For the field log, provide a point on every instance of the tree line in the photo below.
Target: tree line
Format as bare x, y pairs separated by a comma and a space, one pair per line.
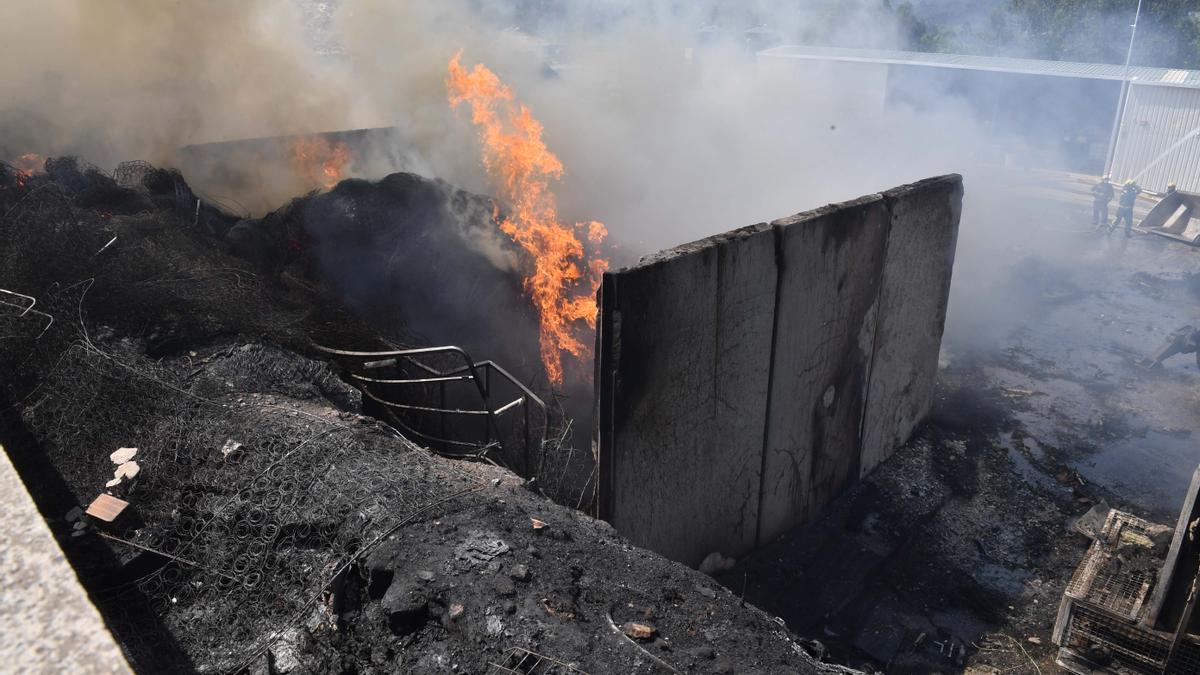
1062, 30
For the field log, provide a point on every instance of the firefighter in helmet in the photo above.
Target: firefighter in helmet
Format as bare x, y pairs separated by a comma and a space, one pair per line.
1102, 194
1125, 204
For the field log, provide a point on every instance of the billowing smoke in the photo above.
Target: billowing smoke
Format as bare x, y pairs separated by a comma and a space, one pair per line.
664, 139
638, 125
668, 127
139, 78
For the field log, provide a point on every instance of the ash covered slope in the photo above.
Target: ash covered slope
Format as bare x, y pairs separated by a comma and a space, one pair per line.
149, 261
421, 259
271, 527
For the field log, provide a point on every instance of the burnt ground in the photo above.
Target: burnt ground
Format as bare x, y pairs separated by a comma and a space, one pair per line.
953, 555
325, 543
271, 527
330, 544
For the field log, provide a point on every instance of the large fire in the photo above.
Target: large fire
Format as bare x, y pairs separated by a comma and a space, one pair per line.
320, 162
522, 168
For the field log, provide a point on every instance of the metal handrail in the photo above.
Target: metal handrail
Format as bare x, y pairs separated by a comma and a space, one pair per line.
476, 372
399, 424
420, 380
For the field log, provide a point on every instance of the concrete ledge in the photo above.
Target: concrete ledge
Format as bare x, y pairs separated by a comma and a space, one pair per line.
50, 625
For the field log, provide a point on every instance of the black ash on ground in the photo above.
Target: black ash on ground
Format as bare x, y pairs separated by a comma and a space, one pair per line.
272, 528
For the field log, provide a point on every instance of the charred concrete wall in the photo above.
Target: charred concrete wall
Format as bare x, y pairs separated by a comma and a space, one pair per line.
744, 380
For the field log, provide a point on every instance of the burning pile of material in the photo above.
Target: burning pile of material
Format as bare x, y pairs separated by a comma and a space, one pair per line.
421, 260
26, 165
320, 161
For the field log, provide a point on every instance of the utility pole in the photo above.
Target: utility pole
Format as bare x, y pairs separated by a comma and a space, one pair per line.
1120, 118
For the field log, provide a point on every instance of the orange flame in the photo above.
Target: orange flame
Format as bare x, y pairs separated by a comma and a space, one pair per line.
320, 162
26, 165
522, 168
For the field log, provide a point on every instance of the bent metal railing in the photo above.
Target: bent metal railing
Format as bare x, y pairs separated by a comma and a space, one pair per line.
421, 400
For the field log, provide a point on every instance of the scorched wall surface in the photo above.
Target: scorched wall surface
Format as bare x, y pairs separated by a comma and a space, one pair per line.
744, 380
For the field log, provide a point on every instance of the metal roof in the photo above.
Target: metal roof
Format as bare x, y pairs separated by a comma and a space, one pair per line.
1167, 77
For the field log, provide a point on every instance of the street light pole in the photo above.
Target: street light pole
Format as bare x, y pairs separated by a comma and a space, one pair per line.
1119, 120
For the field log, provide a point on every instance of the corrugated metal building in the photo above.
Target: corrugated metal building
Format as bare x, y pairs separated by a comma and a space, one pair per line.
1158, 137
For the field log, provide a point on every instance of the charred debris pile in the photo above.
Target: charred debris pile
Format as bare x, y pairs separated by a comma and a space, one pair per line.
160, 350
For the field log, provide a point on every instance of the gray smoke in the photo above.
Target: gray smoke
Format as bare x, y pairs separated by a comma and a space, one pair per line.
669, 128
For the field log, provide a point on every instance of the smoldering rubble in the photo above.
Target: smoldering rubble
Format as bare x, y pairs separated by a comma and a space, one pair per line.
271, 527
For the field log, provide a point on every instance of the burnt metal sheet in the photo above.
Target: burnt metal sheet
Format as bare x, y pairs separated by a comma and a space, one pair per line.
1179, 568
1176, 216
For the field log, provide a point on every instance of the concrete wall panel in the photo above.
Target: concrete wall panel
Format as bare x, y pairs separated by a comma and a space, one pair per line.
831, 270
693, 335
912, 313
744, 380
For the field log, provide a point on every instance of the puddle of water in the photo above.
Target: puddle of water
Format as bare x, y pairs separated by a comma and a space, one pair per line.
1021, 463
1153, 470
1007, 581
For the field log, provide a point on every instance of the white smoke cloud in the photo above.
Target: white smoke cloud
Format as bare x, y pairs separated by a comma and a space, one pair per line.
668, 134
138, 78
668, 128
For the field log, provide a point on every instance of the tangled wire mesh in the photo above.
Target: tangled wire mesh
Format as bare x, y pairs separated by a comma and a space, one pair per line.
250, 503
257, 489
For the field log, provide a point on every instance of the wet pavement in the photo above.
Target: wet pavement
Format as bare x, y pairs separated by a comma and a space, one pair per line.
1084, 308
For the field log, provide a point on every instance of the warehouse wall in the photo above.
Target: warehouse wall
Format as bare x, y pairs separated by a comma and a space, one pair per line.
744, 380
1160, 138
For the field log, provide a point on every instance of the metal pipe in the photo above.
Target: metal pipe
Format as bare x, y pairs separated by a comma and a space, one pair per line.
442, 404
525, 433
1119, 120
25, 309
421, 380
510, 405
422, 408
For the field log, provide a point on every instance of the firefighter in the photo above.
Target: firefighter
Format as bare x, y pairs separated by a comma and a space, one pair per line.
1102, 194
1125, 204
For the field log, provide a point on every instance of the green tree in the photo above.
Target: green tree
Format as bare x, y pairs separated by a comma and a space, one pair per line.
1098, 30
921, 35
1065, 30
